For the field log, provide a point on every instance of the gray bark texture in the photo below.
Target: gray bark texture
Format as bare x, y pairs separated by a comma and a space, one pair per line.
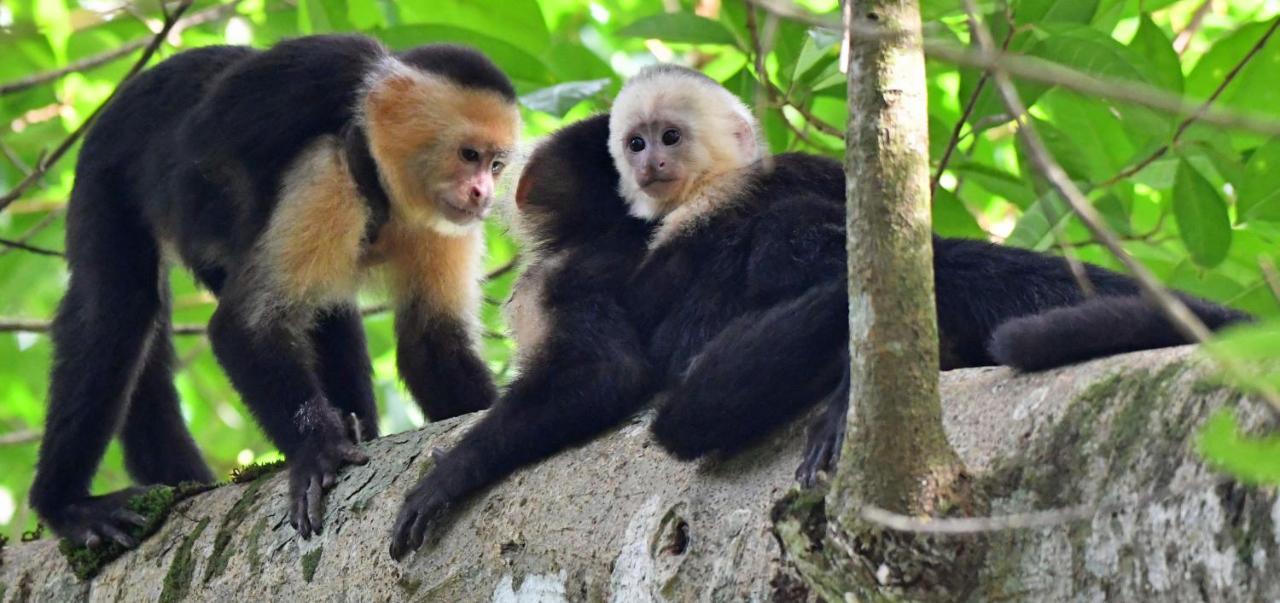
619, 520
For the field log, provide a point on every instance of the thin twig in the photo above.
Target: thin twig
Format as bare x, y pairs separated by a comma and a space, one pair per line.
16, 244
48, 161
1172, 308
1270, 275
1022, 521
1186, 123
1183, 39
209, 15
37, 228
969, 107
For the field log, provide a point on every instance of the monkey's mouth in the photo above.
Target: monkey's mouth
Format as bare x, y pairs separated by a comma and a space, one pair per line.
658, 185
462, 214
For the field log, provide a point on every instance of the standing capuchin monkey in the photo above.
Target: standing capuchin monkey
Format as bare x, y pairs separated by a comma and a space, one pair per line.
280, 178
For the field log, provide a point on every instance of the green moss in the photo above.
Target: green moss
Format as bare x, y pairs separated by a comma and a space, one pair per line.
235, 516
255, 536
310, 562
410, 587
251, 473
153, 504
3, 589
177, 582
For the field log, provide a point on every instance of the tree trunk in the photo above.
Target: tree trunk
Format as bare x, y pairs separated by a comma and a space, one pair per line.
618, 519
896, 456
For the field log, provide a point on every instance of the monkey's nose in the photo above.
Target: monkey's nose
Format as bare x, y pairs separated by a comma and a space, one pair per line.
476, 194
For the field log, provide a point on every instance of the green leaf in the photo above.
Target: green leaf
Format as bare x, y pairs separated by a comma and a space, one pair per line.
560, 98
1259, 192
679, 27
1201, 216
1254, 460
952, 219
516, 22
1151, 43
1036, 12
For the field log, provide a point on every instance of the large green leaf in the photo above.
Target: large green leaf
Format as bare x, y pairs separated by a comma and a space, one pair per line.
1151, 43
1201, 216
516, 22
1254, 460
1038, 12
679, 27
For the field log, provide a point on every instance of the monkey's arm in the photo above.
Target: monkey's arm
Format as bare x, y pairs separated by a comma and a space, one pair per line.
267, 362
438, 362
588, 375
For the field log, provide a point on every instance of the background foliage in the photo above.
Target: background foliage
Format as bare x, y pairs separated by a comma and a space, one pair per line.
1198, 204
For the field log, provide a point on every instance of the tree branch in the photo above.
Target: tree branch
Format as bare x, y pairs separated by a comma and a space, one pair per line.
16, 438
49, 160
1183, 39
19, 245
209, 15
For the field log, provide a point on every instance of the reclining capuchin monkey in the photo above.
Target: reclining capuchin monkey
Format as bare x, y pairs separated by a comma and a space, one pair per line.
736, 306
282, 178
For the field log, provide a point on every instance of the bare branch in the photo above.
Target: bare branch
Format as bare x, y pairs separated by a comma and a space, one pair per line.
203, 17
37, 228
1183, 39
1172, 308
16, 438
48, 161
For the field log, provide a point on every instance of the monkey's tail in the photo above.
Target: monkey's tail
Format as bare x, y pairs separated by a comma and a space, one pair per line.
763, 370
1098, 327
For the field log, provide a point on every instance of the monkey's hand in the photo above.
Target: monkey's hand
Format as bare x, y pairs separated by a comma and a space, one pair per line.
314, 469
825, 437
425, 506
95, 520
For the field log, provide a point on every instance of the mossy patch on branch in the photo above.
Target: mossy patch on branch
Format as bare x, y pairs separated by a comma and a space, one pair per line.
310, 562
177, 582
235, 516
153, 504
251, 473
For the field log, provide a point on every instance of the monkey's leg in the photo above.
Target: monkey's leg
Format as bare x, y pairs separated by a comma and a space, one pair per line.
100, 334
437, 360
825, 435
158, 448
587, 378
761, 371
345, 371
269, 363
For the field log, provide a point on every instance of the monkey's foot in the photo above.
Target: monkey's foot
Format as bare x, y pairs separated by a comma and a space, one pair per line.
425, 506
314, 469
94, 521
822, 446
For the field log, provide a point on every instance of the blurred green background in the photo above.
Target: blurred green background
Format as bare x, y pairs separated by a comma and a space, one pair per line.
1204, 215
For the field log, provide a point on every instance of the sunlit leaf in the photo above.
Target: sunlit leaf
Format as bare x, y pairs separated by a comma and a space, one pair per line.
558, 99
1201, 216
679, 27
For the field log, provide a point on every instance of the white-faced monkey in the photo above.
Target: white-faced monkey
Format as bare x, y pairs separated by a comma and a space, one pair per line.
280, 178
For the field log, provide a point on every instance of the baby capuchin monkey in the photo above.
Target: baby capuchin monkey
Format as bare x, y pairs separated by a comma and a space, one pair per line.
284, 179
743, 293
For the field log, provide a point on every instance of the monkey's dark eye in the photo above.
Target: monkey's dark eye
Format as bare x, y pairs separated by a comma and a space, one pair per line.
636, 144
497, 167
469, 155
671, 137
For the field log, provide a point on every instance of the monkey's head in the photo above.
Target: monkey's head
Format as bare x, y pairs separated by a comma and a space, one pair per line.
673, 130
569, 186
441, 121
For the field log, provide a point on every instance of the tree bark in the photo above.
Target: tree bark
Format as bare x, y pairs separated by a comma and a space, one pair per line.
896, 455
618, 519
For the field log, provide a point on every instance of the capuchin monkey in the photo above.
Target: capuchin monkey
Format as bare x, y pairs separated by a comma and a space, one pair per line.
743, 293
284, 179
733, 309
583, 367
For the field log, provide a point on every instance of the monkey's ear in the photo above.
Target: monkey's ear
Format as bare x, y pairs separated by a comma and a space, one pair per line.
522, 189
745, 135
395, 96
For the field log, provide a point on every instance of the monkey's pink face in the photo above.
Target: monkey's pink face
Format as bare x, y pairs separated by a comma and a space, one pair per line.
657, 157
469, 186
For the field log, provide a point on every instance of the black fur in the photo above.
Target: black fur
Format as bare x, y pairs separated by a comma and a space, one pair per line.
590, 373
1102, 326
193, 152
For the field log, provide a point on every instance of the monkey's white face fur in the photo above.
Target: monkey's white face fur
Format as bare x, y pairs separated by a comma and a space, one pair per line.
673, 130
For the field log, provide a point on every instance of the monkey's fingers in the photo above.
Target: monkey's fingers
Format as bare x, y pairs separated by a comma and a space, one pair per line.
315, 505
91, 539
118, 536
354, 456
127, 516
816, 459
400, 534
